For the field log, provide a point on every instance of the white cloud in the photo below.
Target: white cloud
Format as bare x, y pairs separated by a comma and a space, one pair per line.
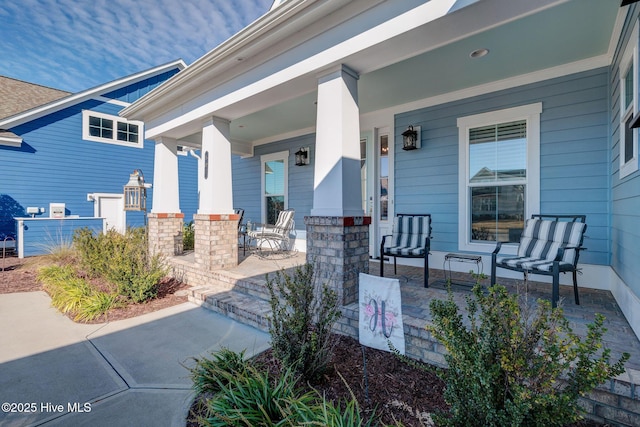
74, 45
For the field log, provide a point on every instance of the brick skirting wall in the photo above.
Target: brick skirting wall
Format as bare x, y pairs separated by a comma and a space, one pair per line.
338, 248
165, 233
216, 240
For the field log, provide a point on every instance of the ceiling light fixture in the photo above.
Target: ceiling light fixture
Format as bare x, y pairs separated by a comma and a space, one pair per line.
479, 53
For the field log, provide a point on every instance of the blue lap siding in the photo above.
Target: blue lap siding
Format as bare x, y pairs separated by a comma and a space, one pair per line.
55, 164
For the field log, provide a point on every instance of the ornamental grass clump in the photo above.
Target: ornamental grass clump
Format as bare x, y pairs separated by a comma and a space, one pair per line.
74, 295
236, 392
512, 363
302, 315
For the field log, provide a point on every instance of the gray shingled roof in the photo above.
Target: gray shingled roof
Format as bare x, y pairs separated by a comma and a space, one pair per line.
17, 96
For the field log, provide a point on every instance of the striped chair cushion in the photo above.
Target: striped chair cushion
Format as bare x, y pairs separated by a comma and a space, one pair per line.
284, 219
409, 235
540, 242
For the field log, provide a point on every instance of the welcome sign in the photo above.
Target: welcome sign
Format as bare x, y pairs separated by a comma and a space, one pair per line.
380, 308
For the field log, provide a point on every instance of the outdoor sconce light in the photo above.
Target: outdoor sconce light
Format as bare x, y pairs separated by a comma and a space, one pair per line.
410, 139
302, 156
135, 192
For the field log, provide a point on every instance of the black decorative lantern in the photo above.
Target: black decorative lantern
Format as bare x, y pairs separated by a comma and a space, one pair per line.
409, 139
302, 156
135, 192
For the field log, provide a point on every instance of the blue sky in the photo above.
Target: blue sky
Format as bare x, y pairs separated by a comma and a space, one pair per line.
74, 45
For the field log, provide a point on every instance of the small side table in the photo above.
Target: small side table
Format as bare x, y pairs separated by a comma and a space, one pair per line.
476, 259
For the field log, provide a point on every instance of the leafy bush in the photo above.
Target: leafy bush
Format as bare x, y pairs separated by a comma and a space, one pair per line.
301, 319
123, 260
188, 236
208, 373
253, 400
72, 294
241, 394
516, 365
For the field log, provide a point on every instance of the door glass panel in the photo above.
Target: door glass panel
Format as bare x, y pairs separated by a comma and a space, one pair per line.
384, 177
363, 174
274, 183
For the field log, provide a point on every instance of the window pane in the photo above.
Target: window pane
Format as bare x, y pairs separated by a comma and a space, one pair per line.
122, 136
274, 177
108, 124
628, 140
107, 133
498, 152
274, 204
384, 177
497, 213
122, 126
628, 87
133, 137
94, 131
94, 121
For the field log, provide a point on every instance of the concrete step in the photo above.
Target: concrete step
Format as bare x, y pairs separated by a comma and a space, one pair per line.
248, 309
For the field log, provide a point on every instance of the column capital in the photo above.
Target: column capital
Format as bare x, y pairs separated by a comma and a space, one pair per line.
335, 72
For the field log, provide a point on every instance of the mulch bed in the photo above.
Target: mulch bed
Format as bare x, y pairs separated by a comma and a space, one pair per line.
20, 275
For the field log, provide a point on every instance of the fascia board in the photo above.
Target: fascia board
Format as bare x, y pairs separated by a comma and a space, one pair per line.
43, 110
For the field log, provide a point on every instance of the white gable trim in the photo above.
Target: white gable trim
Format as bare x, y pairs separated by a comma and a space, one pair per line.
43, 110
11, 141
111, 101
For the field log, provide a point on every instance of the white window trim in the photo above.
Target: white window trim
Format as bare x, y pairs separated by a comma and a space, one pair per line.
87, 137
629, 58
530, 113
281, 155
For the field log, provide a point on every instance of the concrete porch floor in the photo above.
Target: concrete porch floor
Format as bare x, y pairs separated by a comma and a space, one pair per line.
255, 265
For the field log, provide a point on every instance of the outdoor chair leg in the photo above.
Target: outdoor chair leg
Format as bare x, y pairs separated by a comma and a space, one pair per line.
426, 270
575, 287
395, 266
555, 291
381, 264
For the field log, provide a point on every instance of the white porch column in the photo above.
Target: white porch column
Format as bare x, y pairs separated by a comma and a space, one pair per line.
165, 220
166, 196
214, 168
337, 188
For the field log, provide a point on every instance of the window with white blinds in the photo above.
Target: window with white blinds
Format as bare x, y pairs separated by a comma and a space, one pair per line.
499, 161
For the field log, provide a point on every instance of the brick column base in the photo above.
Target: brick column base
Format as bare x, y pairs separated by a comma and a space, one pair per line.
165, 233
216, 240
338, 248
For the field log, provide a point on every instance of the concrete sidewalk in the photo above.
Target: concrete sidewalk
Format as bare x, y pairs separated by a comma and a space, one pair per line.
55, 372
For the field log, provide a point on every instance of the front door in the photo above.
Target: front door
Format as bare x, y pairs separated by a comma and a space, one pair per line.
379, 187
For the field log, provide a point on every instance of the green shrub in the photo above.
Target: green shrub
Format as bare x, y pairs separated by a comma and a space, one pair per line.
238, 393
123, 260
72, 294
208, 373
512, 364
252, 399
188, 236
301, 321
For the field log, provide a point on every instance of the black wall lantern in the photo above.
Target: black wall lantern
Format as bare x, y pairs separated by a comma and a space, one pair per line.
410, 139
302, 156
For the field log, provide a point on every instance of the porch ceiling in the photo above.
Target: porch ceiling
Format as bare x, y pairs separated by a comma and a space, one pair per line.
577, 30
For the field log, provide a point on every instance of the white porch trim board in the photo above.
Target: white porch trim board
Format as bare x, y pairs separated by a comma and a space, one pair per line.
166, 196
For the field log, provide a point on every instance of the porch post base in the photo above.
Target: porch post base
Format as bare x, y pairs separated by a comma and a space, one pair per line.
216, 241
338, 249
165, 233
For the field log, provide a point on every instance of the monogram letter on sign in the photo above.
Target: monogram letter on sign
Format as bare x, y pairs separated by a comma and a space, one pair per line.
380, 313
